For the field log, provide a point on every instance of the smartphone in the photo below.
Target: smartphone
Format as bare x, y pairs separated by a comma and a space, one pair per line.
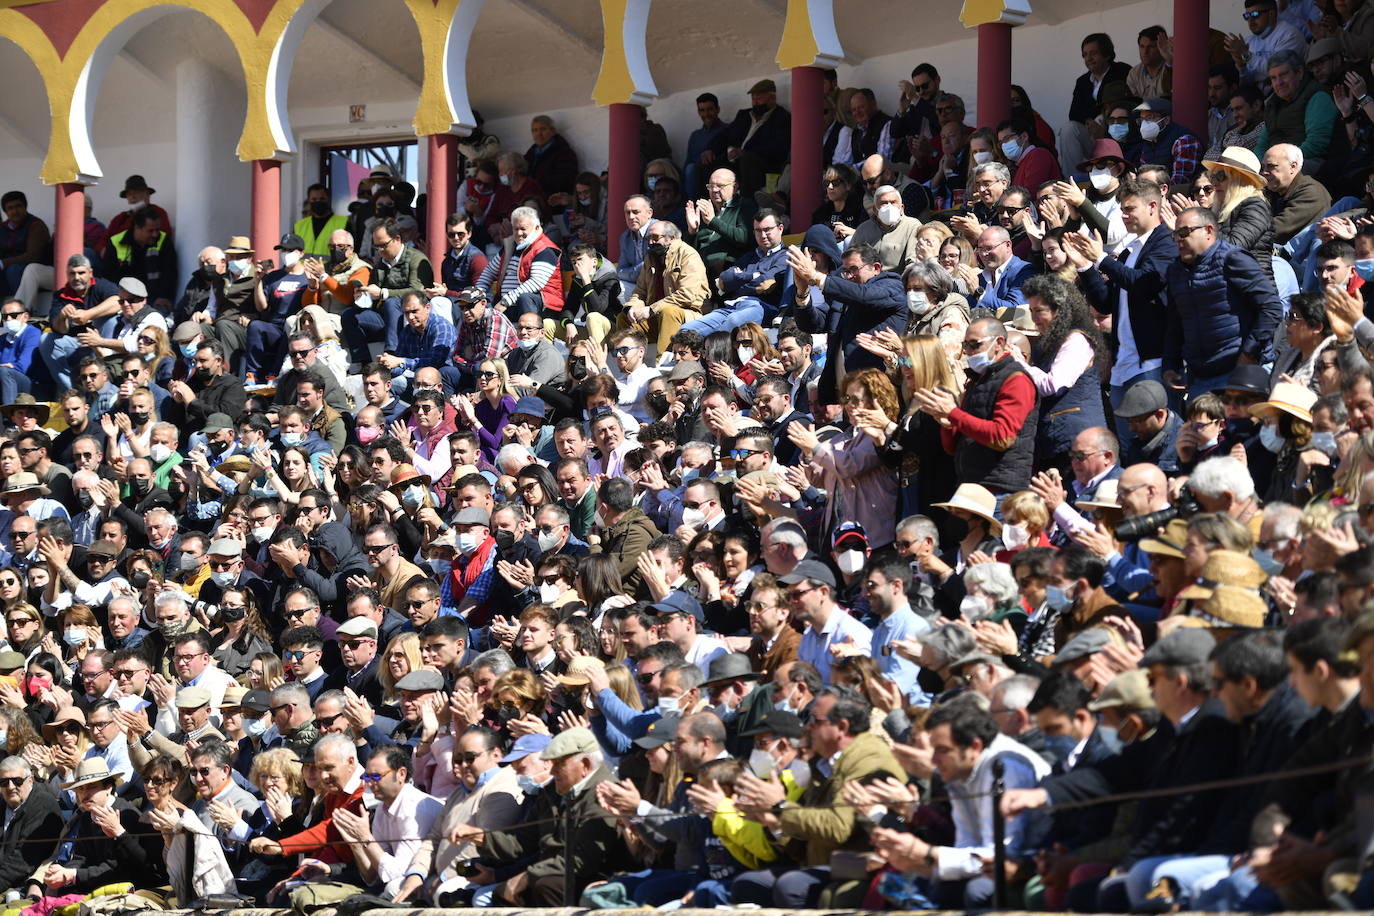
267, 264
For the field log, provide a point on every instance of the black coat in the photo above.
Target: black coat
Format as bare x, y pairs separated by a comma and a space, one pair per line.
772, 142
224, 394
135, 856
1146, 291
22, 848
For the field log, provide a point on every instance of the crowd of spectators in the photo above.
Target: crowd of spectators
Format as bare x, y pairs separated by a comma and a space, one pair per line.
739, 569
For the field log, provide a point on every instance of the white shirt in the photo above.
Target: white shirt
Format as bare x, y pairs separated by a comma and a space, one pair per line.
400, 827
706, 649
1128, 362
632, 389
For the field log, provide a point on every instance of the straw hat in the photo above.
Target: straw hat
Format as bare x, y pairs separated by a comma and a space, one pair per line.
406, 473
975, 499
1294, 400
579, 667
1239, 163
22, 483
1169, 544
29, 402
64, 716
1225, 567
1232, 605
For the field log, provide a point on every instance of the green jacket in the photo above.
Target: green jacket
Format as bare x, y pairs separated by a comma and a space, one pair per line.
412, 272
599, 850
824, 829
626, 540
721, 241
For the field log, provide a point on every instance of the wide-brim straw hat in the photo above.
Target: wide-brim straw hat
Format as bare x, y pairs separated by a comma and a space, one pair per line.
1240, 163
1225, 567
975, 500
1287, 397
93, 769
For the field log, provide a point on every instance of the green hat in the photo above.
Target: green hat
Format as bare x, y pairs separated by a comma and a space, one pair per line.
569, 742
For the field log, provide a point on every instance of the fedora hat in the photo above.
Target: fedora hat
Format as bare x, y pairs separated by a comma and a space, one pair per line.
1170, 543
29, 401
975, 499
136, 183
578, 668
93, 769
1104, 497
22, 482
239, 244
1105, 148
1287, 397
1233, 606
1239, 163
406, 473
63, 717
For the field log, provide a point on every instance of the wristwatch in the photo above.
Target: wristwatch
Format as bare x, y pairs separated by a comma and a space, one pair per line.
777, 809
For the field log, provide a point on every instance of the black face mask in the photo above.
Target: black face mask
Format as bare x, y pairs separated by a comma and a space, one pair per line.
658, 249
1240, 426
336, 256
578, 370
176, 490
504, 539
85, 498
319, 207
505, 714
658, 402
204, 376
138, 418
232, 615
930, 682
139, 579
140, 486
386, 209
759, 110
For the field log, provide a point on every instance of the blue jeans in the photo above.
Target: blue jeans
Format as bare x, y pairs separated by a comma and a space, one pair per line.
61, 352
1188, 871
1302, 248
1117, 392
1201, 386
728, 317
655, 886
13, 275
381, 322
264, 351
12, 382
526, 302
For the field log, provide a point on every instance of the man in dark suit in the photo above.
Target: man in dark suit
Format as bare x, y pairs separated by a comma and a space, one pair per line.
773, 407
32, 817
1075, 138
1131, 288
1003, 275
758, 141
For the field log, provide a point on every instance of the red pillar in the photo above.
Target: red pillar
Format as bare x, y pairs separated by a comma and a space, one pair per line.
68, 235
994, 73
443, 150
623, 170
808, 98
266, 230
1191, 65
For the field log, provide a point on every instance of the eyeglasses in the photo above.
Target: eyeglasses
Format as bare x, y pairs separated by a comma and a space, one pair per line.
23, 534
375, 777
1011, 211
1249, 15
1203, 188
187, 658
100, 726
222, 565
13, 781
328, 722
21, 621
122, 674
740, 454
456, 235
624, 351
374, 549
973, 346
420, 604
149, 781
647, 678
797, 594
146, 341
1082, 456
297, 654
276, 709
1182, 232
203, 771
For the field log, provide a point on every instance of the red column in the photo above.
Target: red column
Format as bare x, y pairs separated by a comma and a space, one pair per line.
266, 230
68, 236
994, 73
443, 149
623, 170
1190, 65
807, 101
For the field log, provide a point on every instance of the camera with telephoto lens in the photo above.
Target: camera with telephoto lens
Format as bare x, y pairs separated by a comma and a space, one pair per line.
1140, 526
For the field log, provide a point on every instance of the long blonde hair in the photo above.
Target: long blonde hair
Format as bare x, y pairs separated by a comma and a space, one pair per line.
502, 372
1237, 191
930, 366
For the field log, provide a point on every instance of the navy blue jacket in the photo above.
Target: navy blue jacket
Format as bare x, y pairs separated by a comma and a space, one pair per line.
1146, 291
753, 269
1221, 306
863, 308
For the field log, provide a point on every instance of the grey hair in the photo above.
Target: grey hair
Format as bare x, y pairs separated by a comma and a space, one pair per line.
78, 261
497, 661
1285, 517
1285, 58
785, 531
291, 692
696, 445
558, 512
516, 162
154, 512
996, 581
948, 642
1290, 151
525, 213
345, 233
514, 451
332, 696
334, 743
1224, 474
885, 189
13, 762
168, 597
1017, 691
667, 228
921, 526
998, 169
936, 280
217, 752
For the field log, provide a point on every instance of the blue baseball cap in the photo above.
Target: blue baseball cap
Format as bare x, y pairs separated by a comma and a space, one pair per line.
526, 745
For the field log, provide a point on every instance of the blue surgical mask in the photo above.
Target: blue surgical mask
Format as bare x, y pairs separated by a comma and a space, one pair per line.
1118, 132
979, 362
1365, 269
1265, 558
529, 344
254, 727
528, 784
1324, 442
1056, 597
188, 350
1271, 439
1266, 33
289, 439
1012, 150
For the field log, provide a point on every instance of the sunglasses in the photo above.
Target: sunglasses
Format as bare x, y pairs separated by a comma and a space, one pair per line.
13, 781
468, 757
151, 781
203, 771
375, 777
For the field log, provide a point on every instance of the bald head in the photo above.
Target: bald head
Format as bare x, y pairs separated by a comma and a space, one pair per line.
1143, 489
874, 168
721, 186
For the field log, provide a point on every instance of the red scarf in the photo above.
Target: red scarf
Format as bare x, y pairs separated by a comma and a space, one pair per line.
464, 576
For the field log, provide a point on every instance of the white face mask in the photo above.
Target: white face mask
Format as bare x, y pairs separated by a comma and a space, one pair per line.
916, 301
1149, 130
73, 636
693, 518
982, 157
1270, 438
668, 705
363, 301
239, 266
761, 763
1101, 178
548, 594
548, 540
467, 543
14, 327
262, 533
889, 214
160, 452
290, 258
974, 607
850, 561
745, 354
1015, 536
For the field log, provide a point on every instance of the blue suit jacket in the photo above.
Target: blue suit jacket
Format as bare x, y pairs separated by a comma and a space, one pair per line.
1006, 292
1146, 289
862, 308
